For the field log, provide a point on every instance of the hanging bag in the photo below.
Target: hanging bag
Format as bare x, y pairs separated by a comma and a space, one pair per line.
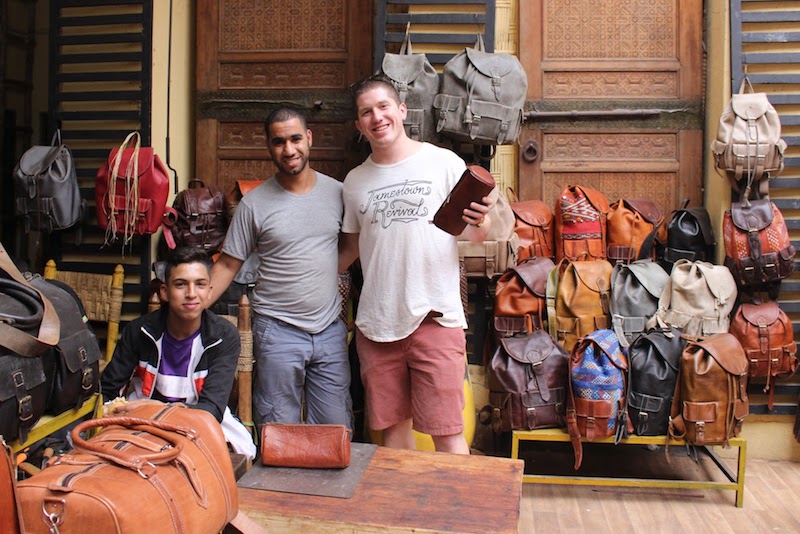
533, 224
201, 216
131, 191
482, 97
47, 193
580, 232
417, 83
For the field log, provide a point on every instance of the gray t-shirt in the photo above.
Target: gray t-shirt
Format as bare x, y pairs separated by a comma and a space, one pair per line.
296, 237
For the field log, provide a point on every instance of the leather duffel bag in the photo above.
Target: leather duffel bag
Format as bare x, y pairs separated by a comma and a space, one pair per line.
158, 468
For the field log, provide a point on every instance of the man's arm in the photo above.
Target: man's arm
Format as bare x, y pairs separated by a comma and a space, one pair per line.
348, 250
478, 221
222, 273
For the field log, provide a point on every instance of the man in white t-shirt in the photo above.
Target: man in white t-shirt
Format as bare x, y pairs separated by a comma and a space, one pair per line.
410, 320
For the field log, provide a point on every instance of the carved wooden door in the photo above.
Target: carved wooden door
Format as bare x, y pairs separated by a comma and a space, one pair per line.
256, 55
617, 85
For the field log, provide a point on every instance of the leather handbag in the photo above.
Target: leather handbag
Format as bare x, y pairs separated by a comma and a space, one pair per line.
710, 401
201, 216
527, 383
630, 222
158, 468
474, 184
758, 250
131, 191
635, 291
653, 362
767, 337
301, 445
580, 232
534, 226
519, 302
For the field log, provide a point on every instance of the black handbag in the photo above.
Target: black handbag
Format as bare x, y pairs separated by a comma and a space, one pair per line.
653, 362
527, 383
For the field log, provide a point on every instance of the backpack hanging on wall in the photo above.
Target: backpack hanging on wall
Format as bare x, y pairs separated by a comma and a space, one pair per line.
580, 232
47, 193
748, 147
417, 83
482, 97
689, 236
534, 226
202, 216
630, 221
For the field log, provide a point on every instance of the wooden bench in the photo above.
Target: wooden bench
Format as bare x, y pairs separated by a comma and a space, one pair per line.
735, 480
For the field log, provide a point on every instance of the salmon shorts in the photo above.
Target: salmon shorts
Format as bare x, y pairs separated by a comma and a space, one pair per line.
420, 377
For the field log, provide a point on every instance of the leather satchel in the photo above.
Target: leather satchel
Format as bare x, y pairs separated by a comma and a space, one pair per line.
580, 232
519, 302
767, 337
474, 184
202, 216
710, 401
309, 446
158, 468
630, 222
534, 226
527, 383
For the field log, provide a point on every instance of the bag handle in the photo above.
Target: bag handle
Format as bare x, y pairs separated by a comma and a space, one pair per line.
49, 329
479, 44
137, 462
405, 48
511, 194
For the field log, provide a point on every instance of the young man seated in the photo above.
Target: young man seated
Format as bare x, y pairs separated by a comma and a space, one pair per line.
182, 352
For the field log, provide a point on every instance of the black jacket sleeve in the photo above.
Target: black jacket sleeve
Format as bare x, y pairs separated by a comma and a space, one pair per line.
222, 360
119, 370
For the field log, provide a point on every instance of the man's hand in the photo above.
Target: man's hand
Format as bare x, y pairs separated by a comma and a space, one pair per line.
478, 221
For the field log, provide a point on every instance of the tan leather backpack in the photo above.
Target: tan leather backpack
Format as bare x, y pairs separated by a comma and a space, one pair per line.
710, 400
580, 232
767, 337
578, 295
697, 300
630, 222
534, 227
519, 302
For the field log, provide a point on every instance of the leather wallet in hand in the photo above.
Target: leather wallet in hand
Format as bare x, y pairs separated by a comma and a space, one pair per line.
474, 184
310, 446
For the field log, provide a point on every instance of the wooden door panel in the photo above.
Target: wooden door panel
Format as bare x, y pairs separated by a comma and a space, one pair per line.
255, 56
639, 61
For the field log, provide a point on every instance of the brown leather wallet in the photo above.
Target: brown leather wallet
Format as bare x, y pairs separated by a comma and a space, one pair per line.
310, 446
474, 184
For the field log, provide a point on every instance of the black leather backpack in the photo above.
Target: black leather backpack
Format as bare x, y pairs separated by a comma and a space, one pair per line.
653, 362
689, 236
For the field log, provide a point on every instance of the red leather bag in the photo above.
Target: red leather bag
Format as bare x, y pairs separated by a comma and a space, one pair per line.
157, 468
580, 232
131, 191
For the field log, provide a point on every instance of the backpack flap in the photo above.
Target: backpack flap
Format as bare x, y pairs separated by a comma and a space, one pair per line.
534, 272
532, 350
727, 351
646, 208
635, 292
596, 278
720, 282
403, 69
145, 161
750, 106
37, 159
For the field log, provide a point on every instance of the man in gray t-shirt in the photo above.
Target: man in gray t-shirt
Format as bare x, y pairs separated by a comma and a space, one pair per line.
292, 221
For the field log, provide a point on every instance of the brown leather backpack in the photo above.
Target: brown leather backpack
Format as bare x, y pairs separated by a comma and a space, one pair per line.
578, 295
534, 226
630, 221
766, 335
580, 232
758, 250
202, 216
527, 383
710, 401
519, 302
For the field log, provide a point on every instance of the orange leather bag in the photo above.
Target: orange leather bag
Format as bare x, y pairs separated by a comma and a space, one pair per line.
767, 337
159, 468
9, 505
533, 223
630, 222
519, 302
309, 446
710, 401
580, 232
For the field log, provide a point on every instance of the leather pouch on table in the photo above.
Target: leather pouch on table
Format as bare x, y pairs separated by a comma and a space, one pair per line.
309, 446
474, 184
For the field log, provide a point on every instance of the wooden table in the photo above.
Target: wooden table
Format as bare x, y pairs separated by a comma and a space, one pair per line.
403, 491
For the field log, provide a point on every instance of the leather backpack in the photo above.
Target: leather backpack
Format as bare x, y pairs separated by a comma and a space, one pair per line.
202, 216
519, 301
758, 250
417, 83
533, 224
629, 223
596, 396
748, 147
653, 360
710, 401
527, 383
697, 300
499, 251
578, 295
635, 291
767, 337
47, 193
580, 232
131, 191
482, 97
689, 236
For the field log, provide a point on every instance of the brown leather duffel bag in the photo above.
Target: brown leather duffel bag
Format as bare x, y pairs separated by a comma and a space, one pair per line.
159, 468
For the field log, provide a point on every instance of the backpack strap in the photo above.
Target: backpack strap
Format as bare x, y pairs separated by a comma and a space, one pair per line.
551, 289
572, 416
